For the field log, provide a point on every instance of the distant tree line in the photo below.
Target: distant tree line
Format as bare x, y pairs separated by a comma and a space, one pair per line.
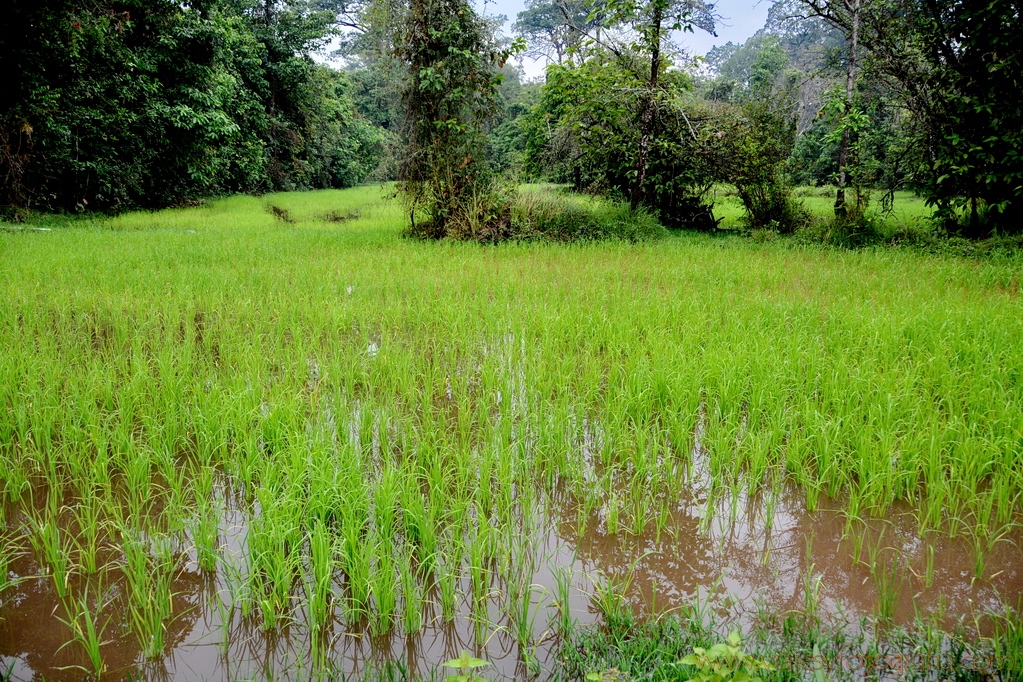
863, 94
114, 104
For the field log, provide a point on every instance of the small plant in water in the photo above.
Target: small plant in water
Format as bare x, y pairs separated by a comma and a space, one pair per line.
725, 662
465, 664
86, 629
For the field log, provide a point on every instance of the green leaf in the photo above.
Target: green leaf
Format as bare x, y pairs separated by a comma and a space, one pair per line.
465, 662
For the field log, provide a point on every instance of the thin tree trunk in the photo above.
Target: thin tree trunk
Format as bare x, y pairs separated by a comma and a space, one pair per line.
647, 122
850, 84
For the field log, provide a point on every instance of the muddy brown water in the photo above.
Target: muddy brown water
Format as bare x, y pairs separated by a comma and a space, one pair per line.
734, 563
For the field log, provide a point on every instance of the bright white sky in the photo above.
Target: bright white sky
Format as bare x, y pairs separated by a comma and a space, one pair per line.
742, 18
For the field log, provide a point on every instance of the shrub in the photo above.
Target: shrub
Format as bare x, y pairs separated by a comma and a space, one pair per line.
849, 232
550, 215
770, 205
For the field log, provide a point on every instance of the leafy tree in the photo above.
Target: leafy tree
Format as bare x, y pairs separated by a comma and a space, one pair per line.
508, 131
652, 21
583, 130
452, 61
554, 28
958, 69
755, 64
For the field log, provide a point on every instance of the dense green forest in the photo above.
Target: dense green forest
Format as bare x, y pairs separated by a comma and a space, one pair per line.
115, 105
110, 105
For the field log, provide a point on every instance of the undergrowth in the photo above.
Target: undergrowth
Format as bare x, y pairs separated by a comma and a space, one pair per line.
631, 648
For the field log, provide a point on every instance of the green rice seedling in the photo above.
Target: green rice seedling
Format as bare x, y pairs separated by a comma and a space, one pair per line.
175, 514
582, 517
874, 548
138, 479
384, 587
479, 574
14, 481
983, 539
609, 593
609, 598
888, 581
319, 585
82, 620
356, 562
1008, 642
447, 580
420, 528
524, 599
412, 606
205, 532
661, 522
640, 512
563, 598
812, 585
849, 533
47, 540
273, 543
149, 578
87, 517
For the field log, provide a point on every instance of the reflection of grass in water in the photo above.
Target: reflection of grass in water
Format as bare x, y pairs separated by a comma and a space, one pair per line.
398, 411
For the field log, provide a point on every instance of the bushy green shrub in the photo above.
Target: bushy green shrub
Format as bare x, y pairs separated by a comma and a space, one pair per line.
482, 215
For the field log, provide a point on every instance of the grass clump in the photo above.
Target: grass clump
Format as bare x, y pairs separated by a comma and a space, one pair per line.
493, 214
546, 214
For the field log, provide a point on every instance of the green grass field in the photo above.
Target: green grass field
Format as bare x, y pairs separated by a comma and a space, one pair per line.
392, 420
908, 211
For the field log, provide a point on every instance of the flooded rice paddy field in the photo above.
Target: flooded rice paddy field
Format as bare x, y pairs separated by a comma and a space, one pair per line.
737, 572
234, 447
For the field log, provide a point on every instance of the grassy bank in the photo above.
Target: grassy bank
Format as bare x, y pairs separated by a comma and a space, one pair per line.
342, 431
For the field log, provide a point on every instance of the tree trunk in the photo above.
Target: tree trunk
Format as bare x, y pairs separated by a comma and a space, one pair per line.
850, 84
647, 122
